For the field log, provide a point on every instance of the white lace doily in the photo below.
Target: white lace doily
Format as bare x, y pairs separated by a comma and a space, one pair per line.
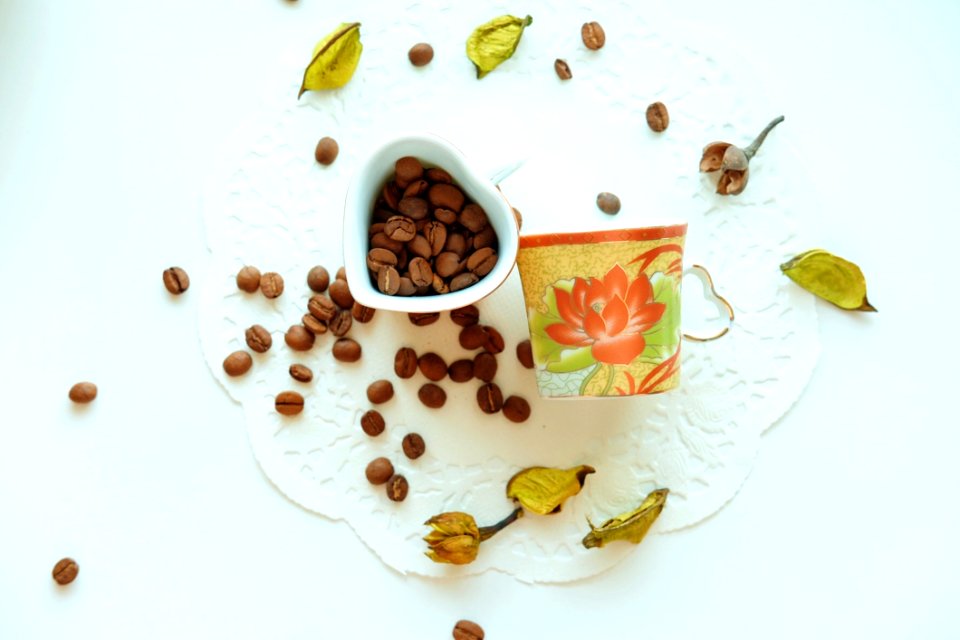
275, 208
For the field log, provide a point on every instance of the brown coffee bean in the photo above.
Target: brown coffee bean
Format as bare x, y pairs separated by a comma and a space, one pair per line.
379, 391
413, 445
248, 279
518, 217
176, 280
405, 362
473, 337
420, 272
463, 281
397, 488
465, 316
376, 228
83, 392
495, 342
490, 398
446, 216
407, 169
392, 194
420, 247
448, 264
342, 274
460, 370
446, 196
322, 308
608, 203
436, 234
456, 243
485, 366
432, 396
301, 373
403, 259
237, 363
379, 470
383, 241
467, 630
658, 119
525, 354
473, 217
298, 338
400, 228
415, 208
406, 288
339, 292
258, 339
288, 403
482, 261
372, 423
516, 409
318, 279
65, 571
347, 350
388, 281
416, 188
420, 54
314, 326
486, 238
436, 174
380, 258
562, 69
439, 285
362, 314
423, 319
326, 151
341, 323
593, 35
432, 366
271, 284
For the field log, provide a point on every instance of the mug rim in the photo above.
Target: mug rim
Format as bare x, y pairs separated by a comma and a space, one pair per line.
634, 234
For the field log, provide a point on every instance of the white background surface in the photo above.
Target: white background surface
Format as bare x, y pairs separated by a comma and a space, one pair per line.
110, 117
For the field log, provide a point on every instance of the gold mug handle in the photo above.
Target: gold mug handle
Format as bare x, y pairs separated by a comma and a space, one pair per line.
701, 272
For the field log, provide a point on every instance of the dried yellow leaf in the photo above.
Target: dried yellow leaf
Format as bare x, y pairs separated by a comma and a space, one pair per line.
335, 58
494, 42
830, 277
631, 526
542, 490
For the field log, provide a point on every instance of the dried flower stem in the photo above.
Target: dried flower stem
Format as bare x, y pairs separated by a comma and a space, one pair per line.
488, 532
755, 145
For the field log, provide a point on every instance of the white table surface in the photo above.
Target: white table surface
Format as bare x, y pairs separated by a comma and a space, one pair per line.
111, 114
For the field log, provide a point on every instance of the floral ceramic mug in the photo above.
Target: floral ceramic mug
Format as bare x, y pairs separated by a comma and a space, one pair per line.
604, 309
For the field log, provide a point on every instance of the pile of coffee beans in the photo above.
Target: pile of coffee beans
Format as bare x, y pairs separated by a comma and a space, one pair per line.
426, 237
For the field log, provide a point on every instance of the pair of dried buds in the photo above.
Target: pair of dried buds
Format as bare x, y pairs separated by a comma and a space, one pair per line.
732, 161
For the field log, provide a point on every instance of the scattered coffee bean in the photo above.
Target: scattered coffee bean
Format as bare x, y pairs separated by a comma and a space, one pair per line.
248, 279
657, 117
258, 339
494, 342
237, 363
379, 471
271, 284
413, 445
397, 488
83, 392
65, 571
460, 370
322, 308
473, 337
593, 35
423, 319
301, 373
289, 403
326, 151
347, 350
405, 363
432, 366
361, 313
432, 395
465, 316
562, 69
379, 391
298, 338
490, 398
467, 630
372, 423
339, 292
420, 54
518, 217
318, 279
485, 366
516, 409
525, 354
341, 323
314, 326
608, 203
176, 280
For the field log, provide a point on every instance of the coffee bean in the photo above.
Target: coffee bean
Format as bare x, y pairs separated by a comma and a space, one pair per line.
301, 373
380, 258
463, 281
456, 243
593, 35
65, 571
341, 323
516, 409
485, 366
407, 169
448, 264
420, 54
318, 279
383, 241
397, 488
342, 274
405, 362
482, 261
322, 308
372, 423
379, 391
608, 203
446, 216
446, 196
436, 235
339, 292
473, 217
258, 339
248, 279
420, 247
518, 217
423, 319
379, 470
400, 228
406, 288
326, 151
495, 342
176, 280
489, 398
391, 194
562, 69
420, 272
432, 366
83, 392
486, 238
271, 284
432, 395
473, 337
298, 338
237, 363
314, 326
362, 314
436, 174
347, 350
415, 208
388, 281
467, 630
525, 354
658, 119
460, 370
416, 188
288, 403
439, 285
465, 316
413, 445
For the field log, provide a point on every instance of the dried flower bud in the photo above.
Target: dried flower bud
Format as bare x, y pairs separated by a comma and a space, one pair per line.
455, 537
732, 161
